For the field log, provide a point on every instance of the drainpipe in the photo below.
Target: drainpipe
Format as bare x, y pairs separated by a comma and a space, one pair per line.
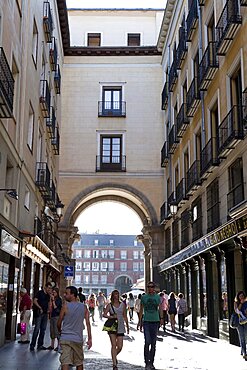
169, 115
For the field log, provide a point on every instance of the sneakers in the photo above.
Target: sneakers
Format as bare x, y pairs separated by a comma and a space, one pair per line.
41, 348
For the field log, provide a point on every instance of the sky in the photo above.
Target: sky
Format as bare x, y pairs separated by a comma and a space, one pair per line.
109, 218
116, 3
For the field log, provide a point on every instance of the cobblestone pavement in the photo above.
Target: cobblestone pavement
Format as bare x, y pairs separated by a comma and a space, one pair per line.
190, 350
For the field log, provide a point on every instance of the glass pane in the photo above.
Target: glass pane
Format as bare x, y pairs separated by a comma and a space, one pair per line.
106, 140
116, 140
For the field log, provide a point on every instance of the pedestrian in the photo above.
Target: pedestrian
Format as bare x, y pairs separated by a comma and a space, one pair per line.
116, 309
225, 305
81, 296
240, 306
131, 305
25, 310
182, 310
70, 326
172, 309
55, 308
101, 302
152, 319
164, 306
91, 305
166, 298
137, 309
41, 305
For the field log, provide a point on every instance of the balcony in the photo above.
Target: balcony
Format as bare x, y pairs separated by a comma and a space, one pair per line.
193, 98
243, 2
182, 47
110, 163
51, 122
208, 66
47, 21
182, 120
50, 197
164, 155
57, 80
53, 54
37, 226
45, 98
164, 97
55, 141
245, 108
43, 177
209, 158
6, 87
112, 108
173, 140
193, 177
235, 196
164, 213
227, 26
181, 191
173, 75
231, 131
192, 20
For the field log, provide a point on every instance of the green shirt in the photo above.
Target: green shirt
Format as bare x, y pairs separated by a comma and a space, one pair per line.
151, 304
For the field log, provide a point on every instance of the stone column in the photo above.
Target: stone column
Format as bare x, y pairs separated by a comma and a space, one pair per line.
212, 295
194, 291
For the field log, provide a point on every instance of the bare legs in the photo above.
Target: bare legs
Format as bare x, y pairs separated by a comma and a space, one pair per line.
116, 347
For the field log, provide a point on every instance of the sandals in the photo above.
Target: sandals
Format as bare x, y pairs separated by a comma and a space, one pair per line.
50, 348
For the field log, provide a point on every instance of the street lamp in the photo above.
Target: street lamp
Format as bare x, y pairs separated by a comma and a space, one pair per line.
11, 193
59, 209
173, 209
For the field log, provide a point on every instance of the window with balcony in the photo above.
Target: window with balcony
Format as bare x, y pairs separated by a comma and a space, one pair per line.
78, 266
86, 279
95, 266
110, 266
111, 158
196, 214
236, 184
168, 242
103, 254
213, 206
135, 255
95, 279
112, 104
94, 39
123, 266
185, 228
35, 43
78, 253
123, 255
175, 236
111, 254
87, 253
103, 266
86, 266
134, 39
30, 128
135, 266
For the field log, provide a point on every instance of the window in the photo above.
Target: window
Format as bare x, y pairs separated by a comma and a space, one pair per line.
86, 279
96, 242
135, 243
77, 279
93, 39
141, 266
236, 184
95, 254
16, 76
86, 266
27, 198
103, 254
134, 39
135, 266
123, 255
111, 242
87, 253
111, 154
175, 235
112, 101
30, 128
78, 253
168, 242
35, 43
141, 255
196, 219
110, 266
95, 266
185, 228
78, 266
135, 255
103, 279
123, 266
213, 206
111, 254
103, 266
95, 279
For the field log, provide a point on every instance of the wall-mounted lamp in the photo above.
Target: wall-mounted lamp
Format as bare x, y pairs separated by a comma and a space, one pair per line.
59, 208
11, 193
173, 209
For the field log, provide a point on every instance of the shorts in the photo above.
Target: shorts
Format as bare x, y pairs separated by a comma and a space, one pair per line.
72, 353
54, 333
117, 334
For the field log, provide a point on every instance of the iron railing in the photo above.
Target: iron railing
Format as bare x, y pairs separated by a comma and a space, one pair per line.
111, 163
112, 108
181, 191
209, 156
193, 177
164, 213
193, 97
164, 96
53, 54
43, 177
173, 140
51, 122
47, 21
182, 47
208, 66
173, 75
182, 120
6, 87
55, 141
164, 155
192, 19
57, 80
45, 98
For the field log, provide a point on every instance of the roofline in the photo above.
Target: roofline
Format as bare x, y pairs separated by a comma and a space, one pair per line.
165, 24
121, 9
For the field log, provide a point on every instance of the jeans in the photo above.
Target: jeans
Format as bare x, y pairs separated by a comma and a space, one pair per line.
39, 329
150, 336
181, 319
101, 309
242, 335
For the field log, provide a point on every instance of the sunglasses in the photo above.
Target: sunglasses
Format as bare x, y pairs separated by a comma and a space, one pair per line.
151, 286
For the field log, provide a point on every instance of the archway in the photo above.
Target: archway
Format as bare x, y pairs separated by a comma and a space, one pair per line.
123, 284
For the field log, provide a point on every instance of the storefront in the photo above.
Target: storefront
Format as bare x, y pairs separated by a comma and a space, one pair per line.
210, 271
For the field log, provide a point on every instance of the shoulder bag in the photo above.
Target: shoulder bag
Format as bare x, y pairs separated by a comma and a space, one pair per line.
111, 325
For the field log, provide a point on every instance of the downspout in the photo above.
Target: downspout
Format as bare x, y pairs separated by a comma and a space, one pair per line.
169, 118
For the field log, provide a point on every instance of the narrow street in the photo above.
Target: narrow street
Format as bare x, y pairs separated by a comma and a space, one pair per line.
190, 350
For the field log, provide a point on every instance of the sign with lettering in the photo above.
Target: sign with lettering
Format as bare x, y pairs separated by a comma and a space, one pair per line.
68, 271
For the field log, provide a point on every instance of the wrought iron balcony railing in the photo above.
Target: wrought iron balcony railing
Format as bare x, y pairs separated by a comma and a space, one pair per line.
235, 196
243, 2
112, 108
57, 80
172, 199
182, 120
6, 87
173, 140
164, 155
227, 26
45, 98
181, 191
213, 217
244, 103
47, 21
209, 157
111, 163
173, 75
193, 177
182, 48
51, 122
208, 66
50, 197
37, 226
164, 213
53, 54
164, 97
43, 177
192, 20
231, 130
55, 141
193, 97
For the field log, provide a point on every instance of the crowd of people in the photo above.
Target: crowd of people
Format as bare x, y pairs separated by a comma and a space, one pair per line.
67, 315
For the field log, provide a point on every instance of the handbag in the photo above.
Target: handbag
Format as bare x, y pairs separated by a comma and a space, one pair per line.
234, 320
21, 328
111, 325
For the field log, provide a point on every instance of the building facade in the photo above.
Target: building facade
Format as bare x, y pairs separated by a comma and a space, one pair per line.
107, 262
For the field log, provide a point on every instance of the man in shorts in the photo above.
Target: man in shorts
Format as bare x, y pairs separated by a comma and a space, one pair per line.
70, 325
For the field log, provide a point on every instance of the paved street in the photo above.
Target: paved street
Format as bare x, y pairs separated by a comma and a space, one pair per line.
190, 350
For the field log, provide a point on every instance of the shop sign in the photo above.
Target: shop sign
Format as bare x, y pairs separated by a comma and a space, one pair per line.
68, 271
9, 244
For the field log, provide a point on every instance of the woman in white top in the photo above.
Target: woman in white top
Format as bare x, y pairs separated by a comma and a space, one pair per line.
116, 309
